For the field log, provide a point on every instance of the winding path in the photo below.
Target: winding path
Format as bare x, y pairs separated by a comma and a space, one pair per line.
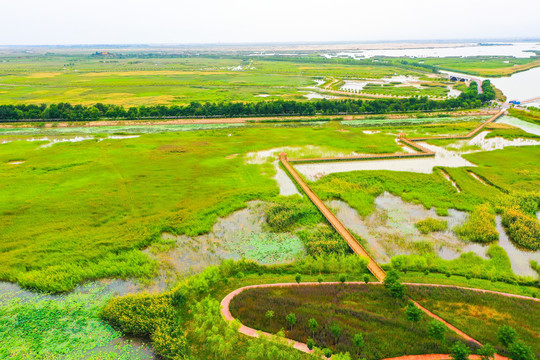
226, 313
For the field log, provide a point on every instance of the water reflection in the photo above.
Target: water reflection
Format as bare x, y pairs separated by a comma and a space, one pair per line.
390, 231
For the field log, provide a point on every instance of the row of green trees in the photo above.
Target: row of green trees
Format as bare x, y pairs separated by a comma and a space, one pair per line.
66, 111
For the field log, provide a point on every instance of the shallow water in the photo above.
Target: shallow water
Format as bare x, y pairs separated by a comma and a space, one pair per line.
498, 143
443, 157
137, 348
520, 86
358, 85
285, 184
390, 229
314, 95
239, 235
523, 125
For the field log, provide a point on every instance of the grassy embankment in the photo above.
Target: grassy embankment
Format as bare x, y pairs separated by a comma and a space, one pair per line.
81, 211
356, 309
532, 116
481, 315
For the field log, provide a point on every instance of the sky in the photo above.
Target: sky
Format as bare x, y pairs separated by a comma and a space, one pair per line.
53, 22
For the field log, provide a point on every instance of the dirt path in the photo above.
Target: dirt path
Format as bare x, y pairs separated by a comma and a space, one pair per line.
226, 313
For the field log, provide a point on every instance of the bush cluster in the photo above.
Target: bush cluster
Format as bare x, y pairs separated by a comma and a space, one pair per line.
480, 227
287, 214
431, 225
522, 228
323, 241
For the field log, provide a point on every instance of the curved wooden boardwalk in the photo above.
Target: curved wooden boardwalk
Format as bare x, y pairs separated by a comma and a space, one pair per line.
373, 266
226, 313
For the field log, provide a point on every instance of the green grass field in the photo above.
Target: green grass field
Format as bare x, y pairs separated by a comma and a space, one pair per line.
365, 309
87, 79
481, 316
78, 211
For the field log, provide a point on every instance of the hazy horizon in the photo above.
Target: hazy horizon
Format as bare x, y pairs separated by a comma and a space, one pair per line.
211, 22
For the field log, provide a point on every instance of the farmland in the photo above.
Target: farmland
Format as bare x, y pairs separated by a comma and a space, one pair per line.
87, 79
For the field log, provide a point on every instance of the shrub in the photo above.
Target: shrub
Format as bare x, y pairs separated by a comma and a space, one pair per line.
392, 283
358, 341
327, 352
431, 225
291, 319
437, 330
480, 226
520, 351
487, 352
459, 351
506, 335
170, 343
366, 278
336, 331
413, 313
298, 278
310, 343
523, 229
342, 278
313, 325
322, 241
137, 314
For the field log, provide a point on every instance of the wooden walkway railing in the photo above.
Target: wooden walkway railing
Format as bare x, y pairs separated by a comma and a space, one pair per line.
373, 266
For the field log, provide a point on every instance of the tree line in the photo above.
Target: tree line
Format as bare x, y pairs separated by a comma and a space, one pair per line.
65, 111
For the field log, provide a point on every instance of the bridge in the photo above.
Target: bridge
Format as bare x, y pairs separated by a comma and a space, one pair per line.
464, 78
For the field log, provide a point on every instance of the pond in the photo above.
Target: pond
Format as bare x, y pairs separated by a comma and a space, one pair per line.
390, 231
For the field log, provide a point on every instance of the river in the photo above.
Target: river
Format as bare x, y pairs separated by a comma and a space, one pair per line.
520, 86
518, 50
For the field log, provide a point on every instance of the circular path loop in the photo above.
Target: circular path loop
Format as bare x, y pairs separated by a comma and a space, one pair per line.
226, 313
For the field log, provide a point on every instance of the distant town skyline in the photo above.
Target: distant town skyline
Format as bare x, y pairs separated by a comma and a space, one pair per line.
59, 22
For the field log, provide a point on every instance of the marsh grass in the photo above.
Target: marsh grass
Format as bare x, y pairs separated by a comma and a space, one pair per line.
366, 309
481, 316
80, 211
480, 226
68, 327
431, 225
